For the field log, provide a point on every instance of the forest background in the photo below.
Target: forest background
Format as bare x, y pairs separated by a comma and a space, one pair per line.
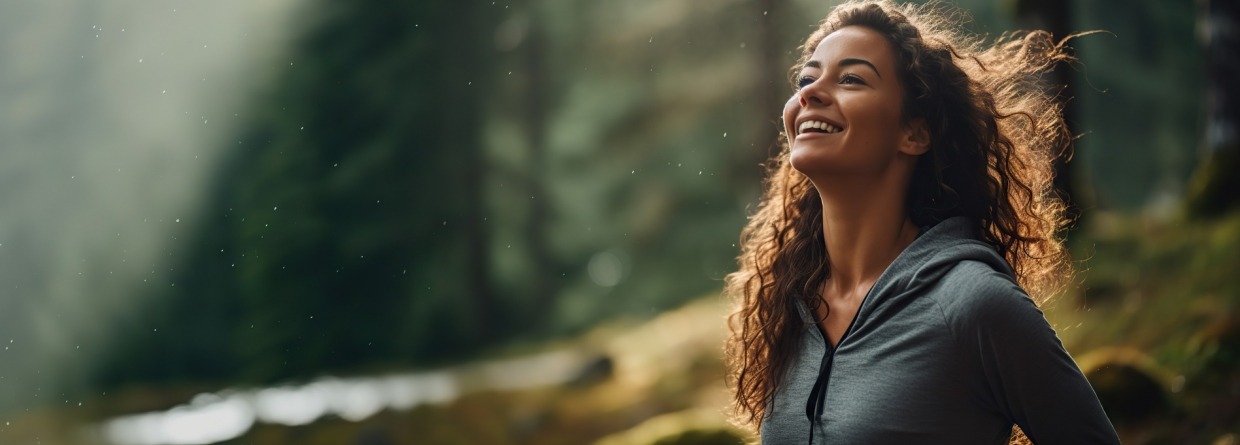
238, 194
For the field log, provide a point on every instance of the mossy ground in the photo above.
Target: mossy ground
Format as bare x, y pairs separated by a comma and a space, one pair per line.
1155, 300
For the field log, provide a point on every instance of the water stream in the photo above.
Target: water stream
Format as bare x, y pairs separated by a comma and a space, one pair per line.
220, 416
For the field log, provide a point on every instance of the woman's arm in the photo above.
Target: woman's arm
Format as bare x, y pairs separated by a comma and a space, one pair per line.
1025, 368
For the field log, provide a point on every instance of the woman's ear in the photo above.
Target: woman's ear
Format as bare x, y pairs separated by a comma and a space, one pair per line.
916, 141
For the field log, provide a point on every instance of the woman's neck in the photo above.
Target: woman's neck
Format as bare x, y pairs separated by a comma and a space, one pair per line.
865, 228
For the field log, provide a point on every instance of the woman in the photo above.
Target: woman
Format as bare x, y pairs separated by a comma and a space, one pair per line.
881, 296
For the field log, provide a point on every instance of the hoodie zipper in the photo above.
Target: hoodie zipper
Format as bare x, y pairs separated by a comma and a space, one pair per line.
818, 394
814, 406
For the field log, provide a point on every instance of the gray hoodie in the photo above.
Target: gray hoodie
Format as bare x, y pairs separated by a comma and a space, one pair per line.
945, 349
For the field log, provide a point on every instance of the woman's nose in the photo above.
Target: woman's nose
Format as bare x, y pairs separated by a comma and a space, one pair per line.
814, 93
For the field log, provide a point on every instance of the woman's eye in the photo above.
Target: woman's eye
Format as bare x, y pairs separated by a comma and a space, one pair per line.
851, 79
804, 81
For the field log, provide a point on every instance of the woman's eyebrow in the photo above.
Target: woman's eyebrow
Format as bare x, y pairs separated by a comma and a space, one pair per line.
850, 61
844, 63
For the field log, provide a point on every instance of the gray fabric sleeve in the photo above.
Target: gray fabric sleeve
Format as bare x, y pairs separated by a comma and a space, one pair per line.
1025, 369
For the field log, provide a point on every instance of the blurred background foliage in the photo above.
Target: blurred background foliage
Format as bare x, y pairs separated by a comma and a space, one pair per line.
204, 196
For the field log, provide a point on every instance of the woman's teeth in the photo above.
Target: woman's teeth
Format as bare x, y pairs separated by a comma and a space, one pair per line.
817, 125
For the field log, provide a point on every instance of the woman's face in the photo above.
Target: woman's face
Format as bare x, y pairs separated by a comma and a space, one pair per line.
845, 118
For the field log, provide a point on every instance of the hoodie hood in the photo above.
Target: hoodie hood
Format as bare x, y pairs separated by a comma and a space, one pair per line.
931, 256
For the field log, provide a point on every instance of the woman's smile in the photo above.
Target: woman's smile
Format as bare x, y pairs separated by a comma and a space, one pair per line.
813, 127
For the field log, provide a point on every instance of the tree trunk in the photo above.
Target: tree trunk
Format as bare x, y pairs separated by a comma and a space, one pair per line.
1212, 191
1055, 16
537, 100
773, 64
469, 86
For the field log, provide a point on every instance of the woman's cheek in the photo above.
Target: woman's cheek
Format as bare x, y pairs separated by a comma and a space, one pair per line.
790, 114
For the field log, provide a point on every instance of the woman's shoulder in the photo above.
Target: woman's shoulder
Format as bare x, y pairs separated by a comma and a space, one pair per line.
974, 293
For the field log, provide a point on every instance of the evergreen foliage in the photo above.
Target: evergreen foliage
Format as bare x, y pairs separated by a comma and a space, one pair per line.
431, 181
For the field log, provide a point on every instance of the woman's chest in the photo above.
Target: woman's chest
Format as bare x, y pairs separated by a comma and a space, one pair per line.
899, 381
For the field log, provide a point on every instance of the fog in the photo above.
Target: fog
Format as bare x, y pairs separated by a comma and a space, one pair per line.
112, 115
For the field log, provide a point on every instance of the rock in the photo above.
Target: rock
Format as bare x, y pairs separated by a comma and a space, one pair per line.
719, 436
594, 371
1130, 385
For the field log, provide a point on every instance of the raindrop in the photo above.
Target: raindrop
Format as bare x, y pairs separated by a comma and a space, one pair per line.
725, 134
302, 128
275, 208
139, 60
178, 220
605, 269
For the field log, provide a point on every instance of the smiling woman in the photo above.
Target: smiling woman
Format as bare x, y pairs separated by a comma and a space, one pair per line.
884, 287
842, 87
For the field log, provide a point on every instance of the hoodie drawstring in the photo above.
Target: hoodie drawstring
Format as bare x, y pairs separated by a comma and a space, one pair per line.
817, 395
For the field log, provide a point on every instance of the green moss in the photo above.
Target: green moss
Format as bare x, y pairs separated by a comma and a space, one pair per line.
1168, 289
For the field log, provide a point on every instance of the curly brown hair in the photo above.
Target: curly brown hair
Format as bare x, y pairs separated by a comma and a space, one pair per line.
994, 130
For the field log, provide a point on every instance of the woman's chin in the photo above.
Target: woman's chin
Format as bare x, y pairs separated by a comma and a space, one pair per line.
808, 160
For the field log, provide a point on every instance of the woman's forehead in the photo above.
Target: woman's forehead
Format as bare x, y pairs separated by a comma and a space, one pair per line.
854, 42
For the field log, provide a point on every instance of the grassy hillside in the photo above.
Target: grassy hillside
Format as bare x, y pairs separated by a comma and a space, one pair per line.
1152, 319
